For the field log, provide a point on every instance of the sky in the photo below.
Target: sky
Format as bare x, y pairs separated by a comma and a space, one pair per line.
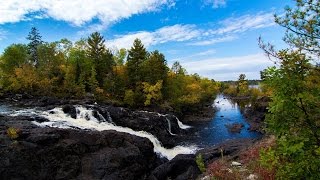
214, 38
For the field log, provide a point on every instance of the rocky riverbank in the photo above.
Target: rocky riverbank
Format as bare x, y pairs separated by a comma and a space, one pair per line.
255, 114
253, 110
53, 153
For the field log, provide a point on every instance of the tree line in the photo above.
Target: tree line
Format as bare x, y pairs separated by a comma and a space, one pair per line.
134, 77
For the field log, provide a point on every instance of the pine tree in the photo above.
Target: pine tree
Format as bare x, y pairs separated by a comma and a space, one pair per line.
136, 56
35, 40
155, 68
102, 57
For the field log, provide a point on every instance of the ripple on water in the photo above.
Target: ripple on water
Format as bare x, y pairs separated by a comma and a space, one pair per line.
215, 131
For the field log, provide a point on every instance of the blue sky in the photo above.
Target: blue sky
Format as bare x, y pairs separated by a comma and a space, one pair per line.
214, 38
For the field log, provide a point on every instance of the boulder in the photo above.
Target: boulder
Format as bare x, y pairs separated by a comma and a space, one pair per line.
50, 153
179, 168
235, 127
70, 110
229, 148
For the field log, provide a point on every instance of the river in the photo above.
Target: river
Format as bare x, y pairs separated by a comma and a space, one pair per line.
215, 131
201, 134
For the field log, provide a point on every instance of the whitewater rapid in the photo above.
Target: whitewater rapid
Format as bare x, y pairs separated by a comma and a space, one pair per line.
86, 120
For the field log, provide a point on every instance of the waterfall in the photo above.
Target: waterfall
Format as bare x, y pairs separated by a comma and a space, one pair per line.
169, 126
102, 118
181, 125
86, 120
109, 117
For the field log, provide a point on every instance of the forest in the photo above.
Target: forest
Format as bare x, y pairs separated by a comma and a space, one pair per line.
137, 78
134, 77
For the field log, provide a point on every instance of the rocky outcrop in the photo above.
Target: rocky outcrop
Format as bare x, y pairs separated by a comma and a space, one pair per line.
179, 168
235, 127
229, 148
206, 113
50, 153
151, 122
255, 114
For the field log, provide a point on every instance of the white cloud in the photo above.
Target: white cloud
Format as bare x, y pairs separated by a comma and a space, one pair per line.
214, 41
229, 67
126, 41
245, 23
77, 12
3, 34
175, 33
216, 3
231, 27
194, 56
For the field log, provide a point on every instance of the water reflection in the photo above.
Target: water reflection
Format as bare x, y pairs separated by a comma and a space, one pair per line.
215, 131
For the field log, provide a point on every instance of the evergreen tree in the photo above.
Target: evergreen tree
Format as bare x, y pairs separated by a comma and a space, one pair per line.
102, 58
136, 56
155, 68
96, 46
35, 40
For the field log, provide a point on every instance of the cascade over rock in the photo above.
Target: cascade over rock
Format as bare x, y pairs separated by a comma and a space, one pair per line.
42, 153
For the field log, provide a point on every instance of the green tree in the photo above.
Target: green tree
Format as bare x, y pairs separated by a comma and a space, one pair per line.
177, 68
155, 68
302, 26
242, 85
93, 83
14, 56
101, 56
294, 111
49, 68
35, 40
120, 56
293, 116
137, 55
80, 64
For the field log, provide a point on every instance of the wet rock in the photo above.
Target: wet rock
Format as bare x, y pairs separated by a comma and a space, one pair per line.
50, 153
71, 110
151, 122
229, 148
255, 114
179, 168
202, 115
235, 127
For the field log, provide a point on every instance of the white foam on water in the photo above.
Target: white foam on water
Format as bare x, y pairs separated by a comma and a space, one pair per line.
180, 124
86, 120
169, 127
23, 112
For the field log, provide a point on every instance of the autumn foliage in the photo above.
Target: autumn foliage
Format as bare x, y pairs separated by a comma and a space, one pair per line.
133, 77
